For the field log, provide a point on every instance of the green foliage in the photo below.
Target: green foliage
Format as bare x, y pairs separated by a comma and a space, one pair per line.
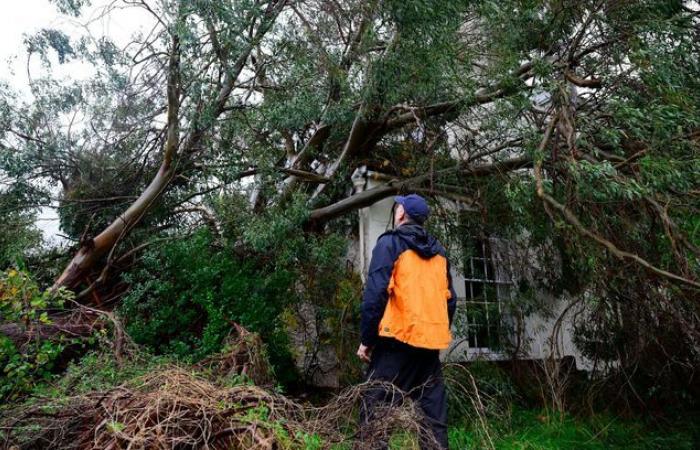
265, 232
98, 370
322, 280
18, 222
24, 304
427, 31
185, 295
71, 7
100, 188
51, 39
19, 235
343, 319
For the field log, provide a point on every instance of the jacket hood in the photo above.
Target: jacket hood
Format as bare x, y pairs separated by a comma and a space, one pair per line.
417, 239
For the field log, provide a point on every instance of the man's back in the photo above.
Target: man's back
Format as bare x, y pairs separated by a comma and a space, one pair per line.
416, 311
407, 308
408, 295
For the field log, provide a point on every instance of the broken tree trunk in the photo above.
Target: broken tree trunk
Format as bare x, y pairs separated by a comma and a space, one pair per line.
94, 249
71, 325
91, 252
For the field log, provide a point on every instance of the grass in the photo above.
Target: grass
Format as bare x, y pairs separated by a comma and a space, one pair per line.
534, 429
541, 429
97, 371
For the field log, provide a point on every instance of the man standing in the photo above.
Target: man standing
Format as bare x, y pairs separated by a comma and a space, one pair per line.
407, 309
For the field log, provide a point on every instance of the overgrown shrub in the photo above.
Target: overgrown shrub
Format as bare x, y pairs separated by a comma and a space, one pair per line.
186, 295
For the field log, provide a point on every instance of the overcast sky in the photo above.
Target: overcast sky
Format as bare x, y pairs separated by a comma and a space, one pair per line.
26, 17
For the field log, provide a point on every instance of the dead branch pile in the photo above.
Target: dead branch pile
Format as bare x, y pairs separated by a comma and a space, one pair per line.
176, 408
242, 354
195, 407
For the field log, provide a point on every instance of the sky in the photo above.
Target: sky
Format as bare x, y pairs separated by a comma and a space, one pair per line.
20, 18
25, 17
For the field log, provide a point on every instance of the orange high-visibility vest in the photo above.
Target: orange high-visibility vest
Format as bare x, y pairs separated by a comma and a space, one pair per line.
416, 311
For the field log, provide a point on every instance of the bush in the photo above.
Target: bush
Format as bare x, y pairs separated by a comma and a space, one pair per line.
186, 295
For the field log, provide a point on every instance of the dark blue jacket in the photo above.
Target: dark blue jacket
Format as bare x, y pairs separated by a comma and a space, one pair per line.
389, 246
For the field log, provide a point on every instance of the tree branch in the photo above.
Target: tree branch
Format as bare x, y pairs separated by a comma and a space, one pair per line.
370, 196
576, 223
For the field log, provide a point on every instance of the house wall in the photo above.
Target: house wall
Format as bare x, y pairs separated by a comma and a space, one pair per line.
537, 330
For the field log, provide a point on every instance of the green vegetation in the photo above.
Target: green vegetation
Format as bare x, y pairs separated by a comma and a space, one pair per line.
98, 371
534, 429
22, 302
202, 177
507, 423
186, 294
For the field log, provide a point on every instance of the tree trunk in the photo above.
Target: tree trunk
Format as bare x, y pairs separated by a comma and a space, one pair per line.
71, 326
94, 249
104, 243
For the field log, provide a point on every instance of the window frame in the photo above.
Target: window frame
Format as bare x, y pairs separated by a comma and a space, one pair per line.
497, 267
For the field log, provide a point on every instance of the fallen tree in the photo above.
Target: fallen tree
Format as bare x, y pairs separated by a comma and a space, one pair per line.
232, 112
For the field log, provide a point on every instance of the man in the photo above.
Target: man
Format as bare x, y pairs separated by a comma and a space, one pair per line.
407, 309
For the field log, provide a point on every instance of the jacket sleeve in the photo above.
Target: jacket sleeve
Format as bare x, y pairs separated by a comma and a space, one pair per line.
452, 301
375, 295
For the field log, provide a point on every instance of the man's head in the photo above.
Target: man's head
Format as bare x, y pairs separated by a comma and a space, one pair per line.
411, 208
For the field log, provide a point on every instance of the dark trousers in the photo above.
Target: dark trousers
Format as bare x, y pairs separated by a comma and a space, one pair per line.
417, 373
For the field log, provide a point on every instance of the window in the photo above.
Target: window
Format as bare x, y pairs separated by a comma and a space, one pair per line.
486, 286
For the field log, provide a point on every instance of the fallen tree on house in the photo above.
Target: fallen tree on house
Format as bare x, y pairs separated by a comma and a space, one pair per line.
243, 112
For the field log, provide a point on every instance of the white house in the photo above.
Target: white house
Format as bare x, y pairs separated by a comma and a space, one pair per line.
484, 287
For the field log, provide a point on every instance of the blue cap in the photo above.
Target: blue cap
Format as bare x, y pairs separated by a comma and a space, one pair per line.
415, 206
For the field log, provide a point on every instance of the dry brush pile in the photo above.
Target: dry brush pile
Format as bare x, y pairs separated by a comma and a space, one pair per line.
195, 407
